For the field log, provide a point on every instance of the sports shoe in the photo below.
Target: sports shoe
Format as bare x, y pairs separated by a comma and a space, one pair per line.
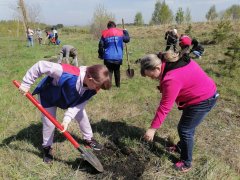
93, 144
182, 167
47, 155
173, 149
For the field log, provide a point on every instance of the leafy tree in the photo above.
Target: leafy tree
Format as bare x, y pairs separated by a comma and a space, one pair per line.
166, 14
138, 21
222, 31
233, 12
100, 20
189, 30
162, 13
212, 14
156, 13
188, 17
179, 16
233, 62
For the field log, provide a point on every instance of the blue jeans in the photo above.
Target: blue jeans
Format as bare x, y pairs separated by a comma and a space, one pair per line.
192, 116
197, 53
30, 41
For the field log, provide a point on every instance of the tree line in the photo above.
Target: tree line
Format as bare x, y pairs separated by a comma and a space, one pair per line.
163, 14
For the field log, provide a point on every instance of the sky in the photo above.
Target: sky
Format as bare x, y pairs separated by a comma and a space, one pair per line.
80, 12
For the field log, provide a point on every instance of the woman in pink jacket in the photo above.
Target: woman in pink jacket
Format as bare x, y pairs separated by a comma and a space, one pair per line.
182, 81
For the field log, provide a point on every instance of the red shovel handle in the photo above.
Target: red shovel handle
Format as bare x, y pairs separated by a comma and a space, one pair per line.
48, 115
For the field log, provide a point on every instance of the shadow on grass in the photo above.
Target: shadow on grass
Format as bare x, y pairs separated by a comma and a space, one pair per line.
115, 131
117, 158
33, 135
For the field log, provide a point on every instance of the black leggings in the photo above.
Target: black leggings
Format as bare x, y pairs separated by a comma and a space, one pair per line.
114, 68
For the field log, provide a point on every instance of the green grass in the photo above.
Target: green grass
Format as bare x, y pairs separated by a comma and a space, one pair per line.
119, 116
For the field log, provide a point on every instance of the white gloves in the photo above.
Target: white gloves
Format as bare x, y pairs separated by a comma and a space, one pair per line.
66, 121
150, 134
23, 89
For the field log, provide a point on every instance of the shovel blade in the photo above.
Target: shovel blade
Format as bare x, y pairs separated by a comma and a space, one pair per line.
130, 73
88, 156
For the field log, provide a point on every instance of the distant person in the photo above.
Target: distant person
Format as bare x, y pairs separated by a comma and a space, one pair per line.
172, 38
197, 49
30, 34
183, 81
55, 33
69, 88
66, 52
185, 42
110, 49
49, 36
39, 36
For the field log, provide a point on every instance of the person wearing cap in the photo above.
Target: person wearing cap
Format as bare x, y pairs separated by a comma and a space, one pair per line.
110, 49
197, 49
185, 42
172, 39
66, 52
183, 81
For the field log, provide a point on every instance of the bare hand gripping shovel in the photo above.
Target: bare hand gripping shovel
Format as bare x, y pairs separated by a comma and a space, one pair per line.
85, 152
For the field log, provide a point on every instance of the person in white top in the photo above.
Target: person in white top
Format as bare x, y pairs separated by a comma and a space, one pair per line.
39, 36
55, 33
66, 87
30, 34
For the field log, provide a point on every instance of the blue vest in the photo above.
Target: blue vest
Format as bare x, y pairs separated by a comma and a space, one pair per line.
64, 94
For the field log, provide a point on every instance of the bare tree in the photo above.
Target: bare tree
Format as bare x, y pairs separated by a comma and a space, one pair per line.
34, 11
28, 14
100, 19
23, 11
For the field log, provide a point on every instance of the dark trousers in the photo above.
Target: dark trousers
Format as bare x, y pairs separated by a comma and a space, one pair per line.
168, 46
191, 117
114, 68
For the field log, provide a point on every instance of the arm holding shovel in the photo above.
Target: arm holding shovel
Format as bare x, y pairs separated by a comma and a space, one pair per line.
66, 87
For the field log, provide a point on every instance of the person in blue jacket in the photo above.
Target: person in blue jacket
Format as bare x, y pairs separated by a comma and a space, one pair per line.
110, 49
70, 88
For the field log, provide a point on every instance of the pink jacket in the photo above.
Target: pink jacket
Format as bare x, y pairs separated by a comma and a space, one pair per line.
187, 85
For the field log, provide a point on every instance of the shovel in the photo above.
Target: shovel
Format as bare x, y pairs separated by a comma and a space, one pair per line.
85, 152
129, 72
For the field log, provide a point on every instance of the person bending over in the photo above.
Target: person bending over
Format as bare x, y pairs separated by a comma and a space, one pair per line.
69, 88
183, 81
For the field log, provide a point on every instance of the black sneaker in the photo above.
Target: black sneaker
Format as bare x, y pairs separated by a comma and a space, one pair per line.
93, 144
47, 155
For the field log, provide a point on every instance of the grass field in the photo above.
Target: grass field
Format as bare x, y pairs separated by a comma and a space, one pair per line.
119, 117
